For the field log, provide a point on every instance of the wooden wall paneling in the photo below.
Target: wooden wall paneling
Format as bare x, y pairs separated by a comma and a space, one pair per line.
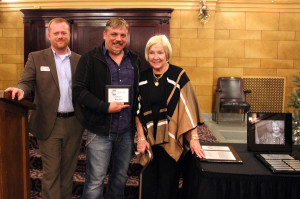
87, 27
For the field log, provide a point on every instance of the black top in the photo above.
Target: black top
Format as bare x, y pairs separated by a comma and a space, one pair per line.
157, 97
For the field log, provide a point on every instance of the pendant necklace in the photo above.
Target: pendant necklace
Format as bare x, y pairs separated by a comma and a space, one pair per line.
156, 83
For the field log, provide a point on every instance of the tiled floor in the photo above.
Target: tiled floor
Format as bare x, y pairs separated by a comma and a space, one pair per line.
230, 129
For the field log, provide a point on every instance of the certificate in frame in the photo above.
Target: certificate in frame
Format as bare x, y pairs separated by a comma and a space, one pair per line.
118, 93
269, 132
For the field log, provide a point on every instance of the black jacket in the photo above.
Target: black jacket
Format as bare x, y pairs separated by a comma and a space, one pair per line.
91, 76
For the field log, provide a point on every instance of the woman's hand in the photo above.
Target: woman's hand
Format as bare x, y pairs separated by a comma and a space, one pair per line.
196, 148
142, 145
195, 144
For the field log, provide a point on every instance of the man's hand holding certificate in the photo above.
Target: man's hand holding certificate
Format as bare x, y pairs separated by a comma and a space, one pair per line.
119, 97
118, 93
116, 107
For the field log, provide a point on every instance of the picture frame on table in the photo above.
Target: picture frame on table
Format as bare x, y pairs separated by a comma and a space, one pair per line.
269, 132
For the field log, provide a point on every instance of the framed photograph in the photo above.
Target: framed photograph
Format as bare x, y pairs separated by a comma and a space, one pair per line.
118, 93
269, 132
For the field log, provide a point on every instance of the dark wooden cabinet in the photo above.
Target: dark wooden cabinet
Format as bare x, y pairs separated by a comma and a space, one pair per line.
87, 27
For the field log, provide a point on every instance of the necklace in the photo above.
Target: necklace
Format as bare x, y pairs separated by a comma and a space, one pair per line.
156, 83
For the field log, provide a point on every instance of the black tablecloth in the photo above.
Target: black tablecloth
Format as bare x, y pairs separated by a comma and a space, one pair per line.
230, 180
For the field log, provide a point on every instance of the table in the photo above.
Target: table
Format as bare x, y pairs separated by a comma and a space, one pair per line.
249, 180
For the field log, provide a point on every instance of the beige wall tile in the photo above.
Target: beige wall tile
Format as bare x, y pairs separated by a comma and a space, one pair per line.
227, 72
206, 33
245, 34
297, 64
13, 32
260, 49
289, 90
244, 63
175, 19
278, 35
222, 34
189, 33
20, 46
252, 63
259, 72
262, 21
11, 20
205, 103
184, 33
7, 46
6, 84
220, 62
20, 69
288, 49
297, 36
275, 63
200, 76
204, 90
8, 72
189, 19
230, 20
175, 32
289, 74
184, 61
196, 47
289, 21
229, 48
13, 59
175, 43
205, 62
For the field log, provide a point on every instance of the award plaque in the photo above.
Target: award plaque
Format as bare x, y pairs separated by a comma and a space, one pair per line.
118, 93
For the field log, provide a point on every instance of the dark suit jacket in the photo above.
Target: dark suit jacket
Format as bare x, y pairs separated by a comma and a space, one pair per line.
40, 77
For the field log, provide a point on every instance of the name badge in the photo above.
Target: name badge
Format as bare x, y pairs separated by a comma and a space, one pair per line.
45, 68
118, 93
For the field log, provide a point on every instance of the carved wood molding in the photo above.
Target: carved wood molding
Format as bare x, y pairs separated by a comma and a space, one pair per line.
214, 5
162, 14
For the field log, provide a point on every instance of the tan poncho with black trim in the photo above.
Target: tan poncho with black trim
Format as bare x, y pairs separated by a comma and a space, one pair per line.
179, 111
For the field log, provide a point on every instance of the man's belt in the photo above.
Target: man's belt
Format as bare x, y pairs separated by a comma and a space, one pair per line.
66, 114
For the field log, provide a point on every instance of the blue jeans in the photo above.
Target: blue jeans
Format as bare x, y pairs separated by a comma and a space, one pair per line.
118, 147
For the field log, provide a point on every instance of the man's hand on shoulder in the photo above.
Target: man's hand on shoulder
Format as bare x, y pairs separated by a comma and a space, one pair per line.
115, 107
15, 92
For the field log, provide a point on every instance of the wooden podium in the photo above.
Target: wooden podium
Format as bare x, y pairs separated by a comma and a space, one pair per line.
14, 161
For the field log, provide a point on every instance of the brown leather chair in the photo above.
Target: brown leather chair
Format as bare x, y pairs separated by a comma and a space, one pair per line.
230, 94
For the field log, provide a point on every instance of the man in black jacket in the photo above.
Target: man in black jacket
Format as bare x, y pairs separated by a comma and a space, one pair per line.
109, 124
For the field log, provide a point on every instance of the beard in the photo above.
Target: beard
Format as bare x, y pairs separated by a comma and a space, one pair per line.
59, 45
116, 52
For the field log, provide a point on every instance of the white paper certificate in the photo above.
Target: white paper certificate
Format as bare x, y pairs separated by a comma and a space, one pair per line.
118, 93
215, 153
215, 148
219, 155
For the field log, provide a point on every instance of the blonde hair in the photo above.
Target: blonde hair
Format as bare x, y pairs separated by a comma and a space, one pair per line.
116, 22
159, 39
58, 20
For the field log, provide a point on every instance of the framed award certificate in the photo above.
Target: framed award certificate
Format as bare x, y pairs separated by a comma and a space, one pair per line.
118, 93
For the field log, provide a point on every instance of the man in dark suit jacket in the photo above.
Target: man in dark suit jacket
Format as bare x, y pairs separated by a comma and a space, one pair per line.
48, 74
